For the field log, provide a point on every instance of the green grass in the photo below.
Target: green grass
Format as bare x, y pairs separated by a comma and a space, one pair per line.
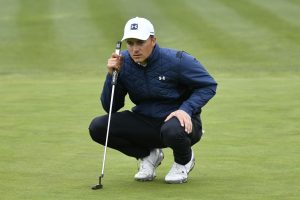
52, 65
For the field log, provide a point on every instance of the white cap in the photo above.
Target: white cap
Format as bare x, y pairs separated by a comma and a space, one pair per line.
139, 28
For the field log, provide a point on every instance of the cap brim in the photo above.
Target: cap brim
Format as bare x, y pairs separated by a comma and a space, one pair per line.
135, 36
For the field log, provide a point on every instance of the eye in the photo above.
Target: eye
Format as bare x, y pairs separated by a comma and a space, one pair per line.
130, 43
140, 42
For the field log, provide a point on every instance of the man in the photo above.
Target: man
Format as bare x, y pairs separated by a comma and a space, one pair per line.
168, 88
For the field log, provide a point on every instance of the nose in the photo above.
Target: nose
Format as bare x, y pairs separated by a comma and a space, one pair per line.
135, 48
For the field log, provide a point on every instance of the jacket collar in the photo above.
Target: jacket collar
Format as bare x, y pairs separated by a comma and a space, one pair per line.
154, 55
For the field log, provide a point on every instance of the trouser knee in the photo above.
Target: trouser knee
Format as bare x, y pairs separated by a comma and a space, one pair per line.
97, 129
173, 135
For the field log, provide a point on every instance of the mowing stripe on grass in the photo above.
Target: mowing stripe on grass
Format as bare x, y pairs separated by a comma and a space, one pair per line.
136, 8
264, 18
8, 35
295, 2
207, 36
263, 44
164, 28
78, 39
72, 24
280, 42
285, 10
229, 24
108, 21
37, 36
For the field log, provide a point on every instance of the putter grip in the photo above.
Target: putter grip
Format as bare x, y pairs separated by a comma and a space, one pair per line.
115, 73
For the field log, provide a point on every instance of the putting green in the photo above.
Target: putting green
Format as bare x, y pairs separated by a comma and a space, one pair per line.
52, 66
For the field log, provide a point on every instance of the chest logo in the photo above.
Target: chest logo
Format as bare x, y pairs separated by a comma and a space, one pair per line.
161, 78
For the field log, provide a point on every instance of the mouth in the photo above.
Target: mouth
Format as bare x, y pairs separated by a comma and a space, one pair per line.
136, 55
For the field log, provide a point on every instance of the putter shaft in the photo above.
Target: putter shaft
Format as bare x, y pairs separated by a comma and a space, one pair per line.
114, 82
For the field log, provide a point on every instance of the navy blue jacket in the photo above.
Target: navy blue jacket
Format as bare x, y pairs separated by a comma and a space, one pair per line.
171, 80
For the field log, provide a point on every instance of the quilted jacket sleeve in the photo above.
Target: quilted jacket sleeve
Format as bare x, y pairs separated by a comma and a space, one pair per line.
202, 84
119, 95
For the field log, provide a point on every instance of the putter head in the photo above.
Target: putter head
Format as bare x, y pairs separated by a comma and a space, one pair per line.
97, 187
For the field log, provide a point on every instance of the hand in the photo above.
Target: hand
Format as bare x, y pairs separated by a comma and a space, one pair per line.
114, 63
184, 119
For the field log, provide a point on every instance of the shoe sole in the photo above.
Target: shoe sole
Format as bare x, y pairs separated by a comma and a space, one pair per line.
145, 179
177, 181
192, 166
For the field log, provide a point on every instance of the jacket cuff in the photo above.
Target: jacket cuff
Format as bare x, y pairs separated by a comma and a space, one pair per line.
186, 109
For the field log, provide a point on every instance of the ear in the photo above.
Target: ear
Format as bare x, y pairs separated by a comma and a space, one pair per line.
153, 41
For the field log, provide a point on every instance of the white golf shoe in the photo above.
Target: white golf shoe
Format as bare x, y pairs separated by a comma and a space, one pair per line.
148, 165
179, 173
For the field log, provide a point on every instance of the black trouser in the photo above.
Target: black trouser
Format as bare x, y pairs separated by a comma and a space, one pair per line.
135, 135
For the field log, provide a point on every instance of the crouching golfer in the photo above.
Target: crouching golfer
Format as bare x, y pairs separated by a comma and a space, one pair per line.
168, 88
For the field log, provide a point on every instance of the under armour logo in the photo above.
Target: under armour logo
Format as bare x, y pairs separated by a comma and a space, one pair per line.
134, 26
161, 78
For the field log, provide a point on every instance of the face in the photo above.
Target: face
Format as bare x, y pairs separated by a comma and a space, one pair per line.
140, 50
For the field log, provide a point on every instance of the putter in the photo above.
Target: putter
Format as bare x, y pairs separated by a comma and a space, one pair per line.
113, 83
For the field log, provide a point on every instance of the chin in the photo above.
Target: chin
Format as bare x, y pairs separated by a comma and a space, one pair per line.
138, 61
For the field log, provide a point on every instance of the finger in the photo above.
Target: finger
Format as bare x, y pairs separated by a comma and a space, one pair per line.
114, 63
186, 124
115, 55
181, 120
186, 120
169, 117
189, 126
179, 117
189, 129
121, 57
119, 62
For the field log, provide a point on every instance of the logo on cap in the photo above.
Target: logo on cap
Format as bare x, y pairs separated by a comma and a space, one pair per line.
134, 26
